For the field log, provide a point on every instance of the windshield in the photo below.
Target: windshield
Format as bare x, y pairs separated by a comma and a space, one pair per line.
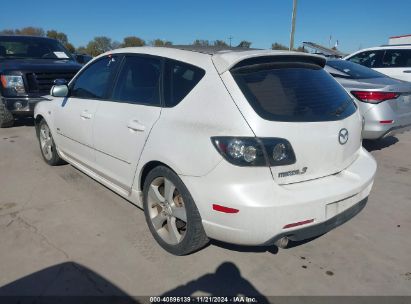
32, 48
353, 70
295, 94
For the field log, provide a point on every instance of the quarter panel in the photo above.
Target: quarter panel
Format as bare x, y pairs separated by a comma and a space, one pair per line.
46, 109
181, 137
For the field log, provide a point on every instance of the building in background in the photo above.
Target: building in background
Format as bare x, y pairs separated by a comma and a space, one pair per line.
403, 39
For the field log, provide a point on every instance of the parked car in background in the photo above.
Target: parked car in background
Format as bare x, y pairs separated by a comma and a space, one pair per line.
82, 58
28, 68
391, 60
247, 147
384, 102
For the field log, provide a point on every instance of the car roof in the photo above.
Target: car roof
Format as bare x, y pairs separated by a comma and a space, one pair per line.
25, 37
223, 58
386, 47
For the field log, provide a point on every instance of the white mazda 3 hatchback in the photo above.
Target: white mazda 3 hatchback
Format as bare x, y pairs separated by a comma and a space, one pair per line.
247, 147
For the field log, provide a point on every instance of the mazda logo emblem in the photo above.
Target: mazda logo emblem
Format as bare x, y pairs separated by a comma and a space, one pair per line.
343, 136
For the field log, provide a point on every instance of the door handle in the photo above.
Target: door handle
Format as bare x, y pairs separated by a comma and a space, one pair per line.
86, 115
407, 71
135, 125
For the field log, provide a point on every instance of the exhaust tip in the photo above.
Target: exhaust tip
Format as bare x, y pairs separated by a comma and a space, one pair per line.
282, 243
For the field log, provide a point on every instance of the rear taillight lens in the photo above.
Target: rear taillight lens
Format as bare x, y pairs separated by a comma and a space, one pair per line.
374, 97
253, 151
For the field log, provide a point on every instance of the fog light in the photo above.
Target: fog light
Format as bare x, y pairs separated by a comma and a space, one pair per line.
18, 105
279, 152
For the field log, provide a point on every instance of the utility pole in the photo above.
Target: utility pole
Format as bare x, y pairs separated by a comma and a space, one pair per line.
293, 25
230, 38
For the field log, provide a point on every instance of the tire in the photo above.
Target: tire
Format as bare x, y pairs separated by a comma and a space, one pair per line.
6, 118
47, 145
171, 214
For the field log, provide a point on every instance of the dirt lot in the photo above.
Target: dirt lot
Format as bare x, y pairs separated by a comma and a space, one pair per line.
63, 233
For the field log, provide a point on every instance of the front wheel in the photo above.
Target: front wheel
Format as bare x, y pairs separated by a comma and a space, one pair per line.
171, 214
47, 145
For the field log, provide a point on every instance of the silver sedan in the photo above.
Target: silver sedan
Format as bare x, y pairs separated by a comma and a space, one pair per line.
384, 102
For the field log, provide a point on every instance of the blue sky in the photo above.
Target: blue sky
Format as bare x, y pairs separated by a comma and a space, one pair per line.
355, 23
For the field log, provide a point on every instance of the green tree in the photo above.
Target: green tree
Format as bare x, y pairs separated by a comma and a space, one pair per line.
199, 42
82, 50
58, 36
244, 44
26, 31
159, 42
7, 32
70, 47
301, 49
99, 45
131, 41
220, 43
30, 31
62, 38
115, 45
278, 46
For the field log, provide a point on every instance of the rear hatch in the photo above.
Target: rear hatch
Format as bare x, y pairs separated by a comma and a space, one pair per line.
292, 97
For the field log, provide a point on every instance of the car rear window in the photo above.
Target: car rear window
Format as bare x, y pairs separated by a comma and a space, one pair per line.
293, 92
353, 70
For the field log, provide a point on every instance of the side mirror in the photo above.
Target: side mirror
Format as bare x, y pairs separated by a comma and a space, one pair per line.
60, 81
59, 90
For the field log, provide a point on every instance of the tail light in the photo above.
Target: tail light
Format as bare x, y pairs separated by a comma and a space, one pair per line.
253, 151
374, 97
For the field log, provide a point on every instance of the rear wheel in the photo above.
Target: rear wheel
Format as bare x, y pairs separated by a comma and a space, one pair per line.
171, 214
47, 145
6, 118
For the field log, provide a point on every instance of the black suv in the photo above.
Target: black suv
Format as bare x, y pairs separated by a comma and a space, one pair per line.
28, 68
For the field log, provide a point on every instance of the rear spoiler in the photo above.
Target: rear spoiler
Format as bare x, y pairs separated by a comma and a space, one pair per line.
228, 61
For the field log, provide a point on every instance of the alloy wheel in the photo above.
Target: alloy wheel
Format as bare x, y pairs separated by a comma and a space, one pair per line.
46, 142
167, 211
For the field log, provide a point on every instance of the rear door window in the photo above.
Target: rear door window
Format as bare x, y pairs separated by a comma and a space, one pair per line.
370, 59
293, 92
396, 59
180, 79
139, 81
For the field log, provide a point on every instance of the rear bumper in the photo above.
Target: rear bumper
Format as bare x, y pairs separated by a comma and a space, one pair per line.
397, 130
374, 114
22, 106
266, 208
322, 228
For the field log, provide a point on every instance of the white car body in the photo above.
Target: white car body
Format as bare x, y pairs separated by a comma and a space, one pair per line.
114, 142
391, 60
